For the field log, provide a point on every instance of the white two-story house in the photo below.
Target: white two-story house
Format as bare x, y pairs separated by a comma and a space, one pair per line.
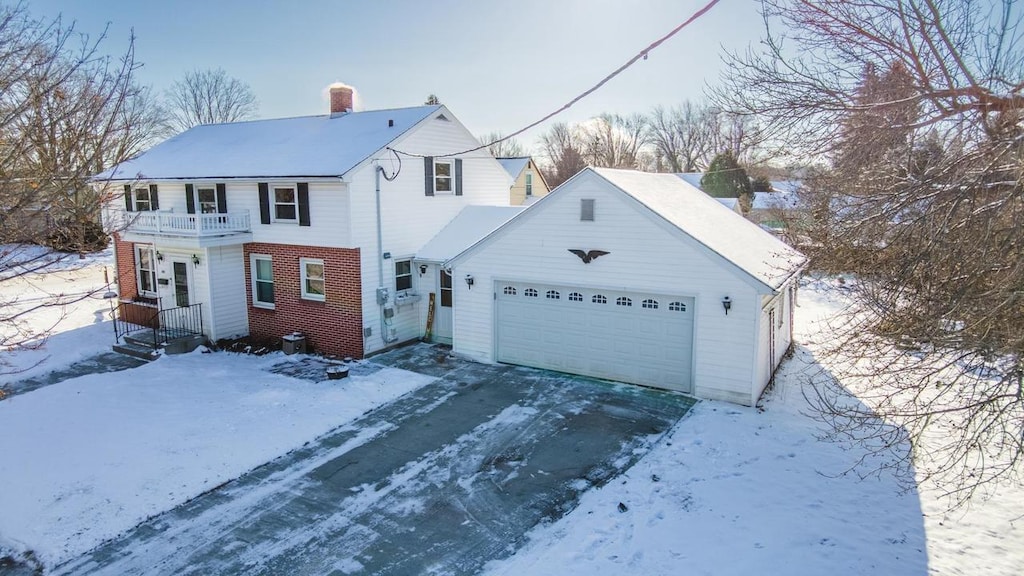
305, 224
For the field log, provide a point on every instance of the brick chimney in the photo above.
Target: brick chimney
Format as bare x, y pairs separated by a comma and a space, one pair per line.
341, 99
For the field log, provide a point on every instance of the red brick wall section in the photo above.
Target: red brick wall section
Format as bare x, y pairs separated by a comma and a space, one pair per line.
128, 288
334, 326
124, 252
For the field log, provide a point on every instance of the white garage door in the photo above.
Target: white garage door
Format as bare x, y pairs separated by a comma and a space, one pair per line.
626, 336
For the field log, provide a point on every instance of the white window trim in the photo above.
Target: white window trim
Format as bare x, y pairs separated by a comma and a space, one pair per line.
252, 273
135, 198
397, 276
198, 203
529, 183
450, 177
139, 270
274, 203
302, 274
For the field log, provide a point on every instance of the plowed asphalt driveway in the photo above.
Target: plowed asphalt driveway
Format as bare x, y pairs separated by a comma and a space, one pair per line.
440, 481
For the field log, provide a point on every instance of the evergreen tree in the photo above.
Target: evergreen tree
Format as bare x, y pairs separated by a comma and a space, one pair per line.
725, 178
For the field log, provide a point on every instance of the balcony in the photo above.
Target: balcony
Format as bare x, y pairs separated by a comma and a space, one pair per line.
188, 230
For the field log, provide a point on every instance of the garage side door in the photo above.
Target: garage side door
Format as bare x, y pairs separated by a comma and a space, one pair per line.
626, 336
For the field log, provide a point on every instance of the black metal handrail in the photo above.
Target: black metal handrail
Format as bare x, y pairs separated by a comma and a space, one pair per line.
165, 325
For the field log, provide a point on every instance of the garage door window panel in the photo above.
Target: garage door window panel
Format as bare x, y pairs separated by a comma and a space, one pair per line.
530, 293
623, 301
650, 304
677, 307
599, 299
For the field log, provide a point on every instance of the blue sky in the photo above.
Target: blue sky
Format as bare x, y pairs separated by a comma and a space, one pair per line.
497, 65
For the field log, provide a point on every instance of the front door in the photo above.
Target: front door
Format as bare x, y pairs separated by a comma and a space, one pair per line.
181, 283
443, 317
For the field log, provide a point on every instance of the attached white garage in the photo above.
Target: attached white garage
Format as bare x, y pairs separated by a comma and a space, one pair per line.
632, 337
633, 277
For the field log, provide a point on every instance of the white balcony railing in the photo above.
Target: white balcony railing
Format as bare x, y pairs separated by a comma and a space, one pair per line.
177, 224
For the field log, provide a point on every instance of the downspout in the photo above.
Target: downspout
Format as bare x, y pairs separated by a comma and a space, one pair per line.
383, 294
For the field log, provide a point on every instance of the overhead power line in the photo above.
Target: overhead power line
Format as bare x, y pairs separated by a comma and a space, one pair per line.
640, 55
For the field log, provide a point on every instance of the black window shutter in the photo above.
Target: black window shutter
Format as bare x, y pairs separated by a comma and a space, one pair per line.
154, 200
303, 204
264, 203
458, 176
428, 172
128, 197
190, 199
222, 198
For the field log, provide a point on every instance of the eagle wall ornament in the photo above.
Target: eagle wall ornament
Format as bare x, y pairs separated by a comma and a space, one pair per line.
588, 256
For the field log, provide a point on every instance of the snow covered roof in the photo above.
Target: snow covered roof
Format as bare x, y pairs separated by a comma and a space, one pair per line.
308, 146
729, 203
514, 166
702, 217
691, 178
466, 229
779, 200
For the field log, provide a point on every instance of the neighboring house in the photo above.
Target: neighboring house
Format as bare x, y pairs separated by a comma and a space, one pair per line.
635, 277
527, 181
773, 210
693, 180
303, 224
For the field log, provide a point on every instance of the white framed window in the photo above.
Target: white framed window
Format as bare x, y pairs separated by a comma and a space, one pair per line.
444, 177
575, 297
145, 270
623, 301
143, 200
529, 184
286, 204
312, 271
261, 268
403, 275
553, 295
509, 291
599, 299
206, 199
650, 304
586, 210
676, 307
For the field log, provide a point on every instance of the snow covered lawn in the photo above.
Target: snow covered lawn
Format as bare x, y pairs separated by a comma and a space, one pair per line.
735, 490
91, 457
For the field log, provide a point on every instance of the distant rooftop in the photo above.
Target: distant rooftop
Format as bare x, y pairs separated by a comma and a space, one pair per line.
514, 166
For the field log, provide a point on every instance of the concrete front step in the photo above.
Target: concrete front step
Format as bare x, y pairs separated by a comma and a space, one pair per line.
136, 351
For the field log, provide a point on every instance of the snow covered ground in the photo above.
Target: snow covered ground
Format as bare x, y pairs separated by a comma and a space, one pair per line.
89, 458
735, 490
729, 490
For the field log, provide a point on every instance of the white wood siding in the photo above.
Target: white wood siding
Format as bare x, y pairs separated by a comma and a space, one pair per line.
646, 255
227, 309
410, 218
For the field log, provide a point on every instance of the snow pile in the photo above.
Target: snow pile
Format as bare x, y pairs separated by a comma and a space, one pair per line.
98, 454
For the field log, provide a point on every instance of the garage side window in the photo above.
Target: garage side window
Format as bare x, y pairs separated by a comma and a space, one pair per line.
599, 299
677, 307
575, 297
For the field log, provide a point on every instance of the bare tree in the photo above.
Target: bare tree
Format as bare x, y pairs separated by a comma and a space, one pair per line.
917, 109
66, 112
500, 147
613, 140
683, 136
209, 97
563, 154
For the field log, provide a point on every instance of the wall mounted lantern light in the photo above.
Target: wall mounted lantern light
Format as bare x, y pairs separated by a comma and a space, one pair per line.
727, 304
423, 269
195, 260
159, 256
469, 281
